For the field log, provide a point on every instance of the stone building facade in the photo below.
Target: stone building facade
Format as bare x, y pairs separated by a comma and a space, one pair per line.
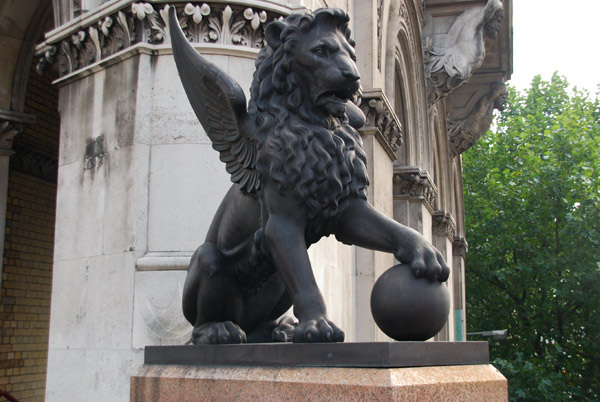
106, 203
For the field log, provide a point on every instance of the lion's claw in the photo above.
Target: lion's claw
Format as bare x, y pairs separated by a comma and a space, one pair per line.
321, 330
426, 262
284, 331
218, 332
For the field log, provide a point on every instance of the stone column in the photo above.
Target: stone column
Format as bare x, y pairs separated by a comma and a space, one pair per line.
138, 182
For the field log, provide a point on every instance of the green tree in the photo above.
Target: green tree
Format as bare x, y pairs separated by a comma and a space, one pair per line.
532, 202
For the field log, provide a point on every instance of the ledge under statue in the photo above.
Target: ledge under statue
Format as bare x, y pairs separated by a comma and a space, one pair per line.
299, 173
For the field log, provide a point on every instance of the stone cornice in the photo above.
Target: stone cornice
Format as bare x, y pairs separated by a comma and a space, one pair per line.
460, 246
120, 26
413, 184
443, 223
380, 115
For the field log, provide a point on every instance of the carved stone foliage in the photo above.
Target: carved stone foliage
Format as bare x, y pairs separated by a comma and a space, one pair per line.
443, 223
380, 115
465, 132
141, 22
460, 246
411, 183
35, 163
453, 55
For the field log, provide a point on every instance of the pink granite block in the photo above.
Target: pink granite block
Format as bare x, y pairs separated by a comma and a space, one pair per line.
198, 383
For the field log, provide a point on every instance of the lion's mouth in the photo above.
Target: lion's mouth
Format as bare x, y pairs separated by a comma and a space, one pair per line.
339, 96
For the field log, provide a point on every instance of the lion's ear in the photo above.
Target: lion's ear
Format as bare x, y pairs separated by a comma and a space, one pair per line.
273, 33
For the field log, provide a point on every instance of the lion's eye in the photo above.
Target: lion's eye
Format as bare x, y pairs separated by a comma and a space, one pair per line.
320, 51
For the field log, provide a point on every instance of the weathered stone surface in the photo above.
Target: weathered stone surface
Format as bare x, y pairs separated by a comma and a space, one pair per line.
90, 374
178, 201
92, 303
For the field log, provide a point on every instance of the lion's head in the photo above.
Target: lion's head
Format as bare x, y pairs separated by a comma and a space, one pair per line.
309, 60
303, 80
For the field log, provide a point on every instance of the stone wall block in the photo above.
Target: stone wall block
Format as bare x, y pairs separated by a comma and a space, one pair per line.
187, 184
76, 104
158, 318
173, 120
80, 212
92, 303
71, 376
126, 200
333, 267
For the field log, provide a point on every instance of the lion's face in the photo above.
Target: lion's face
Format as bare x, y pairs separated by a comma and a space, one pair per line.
325, 63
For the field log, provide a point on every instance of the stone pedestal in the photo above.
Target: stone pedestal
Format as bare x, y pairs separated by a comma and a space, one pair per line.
197, 383
344, 372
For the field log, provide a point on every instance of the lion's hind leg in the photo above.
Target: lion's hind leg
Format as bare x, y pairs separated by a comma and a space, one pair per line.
211, 302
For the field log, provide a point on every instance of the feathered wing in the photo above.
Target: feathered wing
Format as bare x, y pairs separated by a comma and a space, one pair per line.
220, 105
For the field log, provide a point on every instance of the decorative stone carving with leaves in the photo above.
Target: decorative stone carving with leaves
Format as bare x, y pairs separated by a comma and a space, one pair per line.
380, 115
443, 223
412, 183
144, 22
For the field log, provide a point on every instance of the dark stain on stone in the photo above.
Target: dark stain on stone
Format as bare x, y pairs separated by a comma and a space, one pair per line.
94, 153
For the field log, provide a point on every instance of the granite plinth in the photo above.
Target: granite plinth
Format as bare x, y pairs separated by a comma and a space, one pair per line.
173, 383
407, 371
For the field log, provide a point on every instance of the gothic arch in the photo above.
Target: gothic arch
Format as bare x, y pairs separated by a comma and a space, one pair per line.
404, 77
28, 165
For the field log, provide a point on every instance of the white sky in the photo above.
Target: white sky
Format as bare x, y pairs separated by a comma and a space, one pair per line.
556, 35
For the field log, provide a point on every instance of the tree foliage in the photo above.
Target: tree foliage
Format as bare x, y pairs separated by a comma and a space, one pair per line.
532, 202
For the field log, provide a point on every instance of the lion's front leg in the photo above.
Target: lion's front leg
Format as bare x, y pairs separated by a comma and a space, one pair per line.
283, 226
362, 225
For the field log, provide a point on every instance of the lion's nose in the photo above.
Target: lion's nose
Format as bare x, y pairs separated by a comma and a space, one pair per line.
351, 75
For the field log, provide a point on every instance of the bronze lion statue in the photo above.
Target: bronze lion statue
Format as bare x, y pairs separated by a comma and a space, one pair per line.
299, 173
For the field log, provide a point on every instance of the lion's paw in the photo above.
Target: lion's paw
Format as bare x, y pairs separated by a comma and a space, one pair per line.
218, 332
284, 331
321, 330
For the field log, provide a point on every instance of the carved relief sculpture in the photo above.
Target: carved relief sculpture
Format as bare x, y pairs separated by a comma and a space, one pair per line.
299, 173
465, 132
452, 57
145, 22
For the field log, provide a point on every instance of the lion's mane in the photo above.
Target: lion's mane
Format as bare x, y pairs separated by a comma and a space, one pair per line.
299, 149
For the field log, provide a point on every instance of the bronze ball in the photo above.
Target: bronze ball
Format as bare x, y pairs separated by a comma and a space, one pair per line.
407, 308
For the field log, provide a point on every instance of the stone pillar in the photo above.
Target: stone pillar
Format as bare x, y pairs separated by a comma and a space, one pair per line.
138, 183
444, 229
459, 247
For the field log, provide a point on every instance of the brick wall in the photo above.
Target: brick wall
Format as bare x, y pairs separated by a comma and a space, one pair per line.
28, 248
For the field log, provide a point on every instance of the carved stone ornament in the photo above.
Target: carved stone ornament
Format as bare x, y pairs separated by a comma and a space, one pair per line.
452, 57
295, 156
412, 183
11, 125
8, 131
380, 115
465, 132
443, 223
143, 22
35, 163
460, 247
